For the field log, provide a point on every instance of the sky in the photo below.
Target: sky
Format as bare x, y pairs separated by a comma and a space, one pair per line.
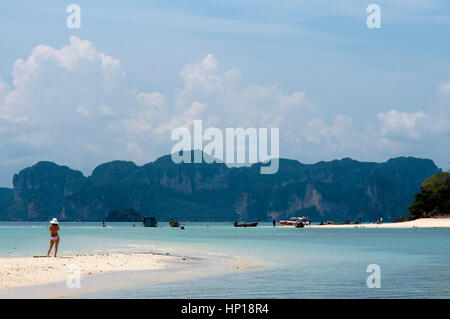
115, 88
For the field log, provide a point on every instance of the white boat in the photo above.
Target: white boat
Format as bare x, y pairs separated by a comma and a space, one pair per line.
296, 221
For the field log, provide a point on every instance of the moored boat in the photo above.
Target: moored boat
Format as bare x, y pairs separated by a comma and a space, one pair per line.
149, 221
236, 224
299, 224
174, 223
296, 221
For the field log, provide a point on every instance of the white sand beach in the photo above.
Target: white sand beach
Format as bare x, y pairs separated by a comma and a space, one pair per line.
42, 277
418, 223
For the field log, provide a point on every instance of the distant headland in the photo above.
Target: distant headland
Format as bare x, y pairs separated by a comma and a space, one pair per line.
335, 190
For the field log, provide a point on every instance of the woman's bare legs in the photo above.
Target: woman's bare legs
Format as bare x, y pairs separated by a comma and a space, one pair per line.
50, 249
56, 246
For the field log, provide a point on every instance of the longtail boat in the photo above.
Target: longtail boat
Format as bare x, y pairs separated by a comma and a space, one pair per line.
236, 224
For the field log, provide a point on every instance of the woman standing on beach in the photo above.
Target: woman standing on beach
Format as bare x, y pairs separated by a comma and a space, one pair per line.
54, 237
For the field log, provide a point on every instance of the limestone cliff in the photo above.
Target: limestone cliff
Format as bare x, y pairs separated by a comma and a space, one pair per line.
339, 190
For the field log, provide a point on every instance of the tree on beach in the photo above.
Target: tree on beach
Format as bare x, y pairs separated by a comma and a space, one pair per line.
434, 200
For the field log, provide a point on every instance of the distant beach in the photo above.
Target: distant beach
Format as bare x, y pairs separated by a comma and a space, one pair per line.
418, 223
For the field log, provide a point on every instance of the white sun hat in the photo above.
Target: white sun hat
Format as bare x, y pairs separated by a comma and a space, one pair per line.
54, 221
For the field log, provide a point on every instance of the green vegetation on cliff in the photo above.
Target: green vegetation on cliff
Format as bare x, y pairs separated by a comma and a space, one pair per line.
335, 190
6, 198
434, 200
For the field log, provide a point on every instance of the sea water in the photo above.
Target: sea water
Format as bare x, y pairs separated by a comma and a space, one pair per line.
295, 262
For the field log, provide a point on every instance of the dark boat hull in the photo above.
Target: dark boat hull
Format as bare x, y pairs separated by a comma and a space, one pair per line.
236, 224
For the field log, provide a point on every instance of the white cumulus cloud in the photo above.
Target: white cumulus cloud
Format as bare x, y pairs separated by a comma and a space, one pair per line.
73, 105
401, 124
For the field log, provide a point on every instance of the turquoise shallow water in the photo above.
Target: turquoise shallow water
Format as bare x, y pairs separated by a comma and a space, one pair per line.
299, 263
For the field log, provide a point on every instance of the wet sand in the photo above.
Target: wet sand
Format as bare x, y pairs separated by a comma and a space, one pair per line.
42, 277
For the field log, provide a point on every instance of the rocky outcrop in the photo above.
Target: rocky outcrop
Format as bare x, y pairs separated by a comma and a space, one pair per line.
6, 199
40, 191
339, 190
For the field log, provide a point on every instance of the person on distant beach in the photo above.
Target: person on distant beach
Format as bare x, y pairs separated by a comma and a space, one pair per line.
54, 236
273, 222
